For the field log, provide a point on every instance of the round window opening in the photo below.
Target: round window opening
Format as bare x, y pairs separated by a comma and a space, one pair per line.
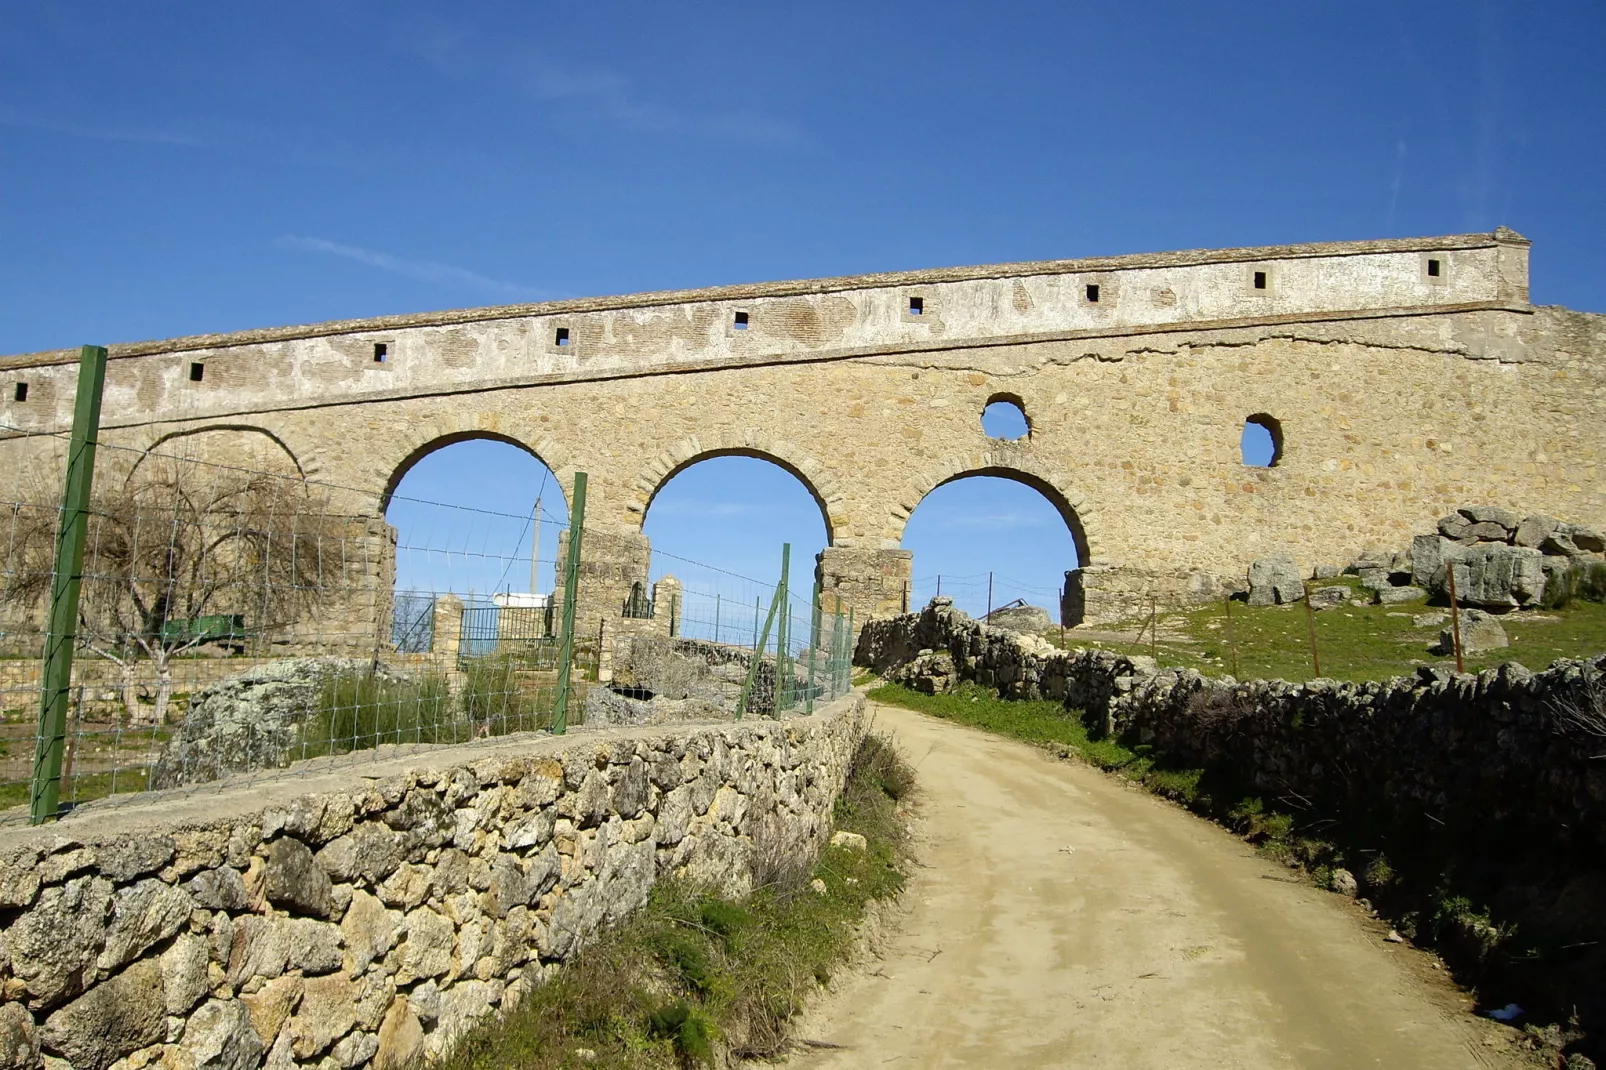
1005, 417
1262, 441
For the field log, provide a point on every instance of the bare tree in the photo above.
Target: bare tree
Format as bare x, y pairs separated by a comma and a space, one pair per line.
179, 555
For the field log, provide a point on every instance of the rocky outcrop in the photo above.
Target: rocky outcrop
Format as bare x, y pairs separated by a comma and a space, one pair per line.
1499, 561
375, 923
252, 721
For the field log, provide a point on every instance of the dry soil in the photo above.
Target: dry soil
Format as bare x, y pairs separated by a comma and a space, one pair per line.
1061, 918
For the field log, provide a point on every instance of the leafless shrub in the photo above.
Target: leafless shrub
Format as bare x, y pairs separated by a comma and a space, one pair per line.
172, 543
1581, 716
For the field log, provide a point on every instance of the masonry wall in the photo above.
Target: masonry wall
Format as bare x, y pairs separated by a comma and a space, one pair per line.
1400, 395
371, 913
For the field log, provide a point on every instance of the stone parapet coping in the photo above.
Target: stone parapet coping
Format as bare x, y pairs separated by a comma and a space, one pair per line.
245, 794
747, 291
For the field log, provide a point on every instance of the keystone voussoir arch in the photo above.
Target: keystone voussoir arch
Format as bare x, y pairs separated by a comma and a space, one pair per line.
816, 478
1006, 461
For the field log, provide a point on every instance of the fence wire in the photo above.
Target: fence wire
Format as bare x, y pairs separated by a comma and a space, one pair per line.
236, 620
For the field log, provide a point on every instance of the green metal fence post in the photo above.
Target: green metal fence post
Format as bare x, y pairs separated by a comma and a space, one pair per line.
814, 642
783, 673
571, 590
44, 789
847, 652
758, 657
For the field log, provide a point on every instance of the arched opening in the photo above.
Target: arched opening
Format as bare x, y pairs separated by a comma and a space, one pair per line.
996, 538
717, 524
1261, 445
239, 446
1004, 417
478, 518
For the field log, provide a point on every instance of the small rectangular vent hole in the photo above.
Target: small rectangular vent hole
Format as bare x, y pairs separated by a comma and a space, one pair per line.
740, 321
381, 352
1260, 280
1433, 269
197, 370
917, 306
21, 392
561, 337
1092, 293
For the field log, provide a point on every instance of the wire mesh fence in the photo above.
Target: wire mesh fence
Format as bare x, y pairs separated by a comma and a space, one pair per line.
242, 619
982, 593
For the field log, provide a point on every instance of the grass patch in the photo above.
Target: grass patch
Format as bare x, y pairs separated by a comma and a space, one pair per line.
359, 712
694, 975
1365, 642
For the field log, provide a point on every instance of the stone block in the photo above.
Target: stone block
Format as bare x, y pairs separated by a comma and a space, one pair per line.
1480, 632
1534, 530
1395, 596
293, 880
114, 1018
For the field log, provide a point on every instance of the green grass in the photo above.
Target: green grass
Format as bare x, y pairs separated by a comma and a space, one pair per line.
1050, 725
358, 712
693, 975
1369, 642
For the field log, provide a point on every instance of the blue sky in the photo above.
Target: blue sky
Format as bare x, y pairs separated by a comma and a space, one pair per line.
184, 167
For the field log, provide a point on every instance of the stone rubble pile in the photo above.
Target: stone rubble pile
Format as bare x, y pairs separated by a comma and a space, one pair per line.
1500, 562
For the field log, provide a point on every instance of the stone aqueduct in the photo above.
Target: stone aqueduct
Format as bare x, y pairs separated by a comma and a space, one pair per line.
1407, 377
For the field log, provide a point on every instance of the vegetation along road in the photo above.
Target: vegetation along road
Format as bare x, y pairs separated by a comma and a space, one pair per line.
1060, 917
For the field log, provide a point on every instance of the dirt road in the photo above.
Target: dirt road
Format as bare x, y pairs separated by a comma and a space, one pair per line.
1063, 919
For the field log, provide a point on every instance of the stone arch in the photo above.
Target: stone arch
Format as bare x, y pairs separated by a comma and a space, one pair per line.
429, 436
259, 450
816, 479
1007, 462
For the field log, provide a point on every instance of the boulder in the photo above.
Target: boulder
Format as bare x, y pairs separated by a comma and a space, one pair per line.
251, 721
1490, 514
1454, 526
1022, 619
1534, 530
1589, 539
1275, 580
1428, 556
1343, 882
1500, 576
1328, 597
1479, 632
1374, 579
1488, 531
1395, 596
1559, 545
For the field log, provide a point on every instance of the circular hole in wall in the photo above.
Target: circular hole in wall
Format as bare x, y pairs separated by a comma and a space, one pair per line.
1262, 443
1005, 417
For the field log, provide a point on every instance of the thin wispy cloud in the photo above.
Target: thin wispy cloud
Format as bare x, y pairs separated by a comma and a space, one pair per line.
425, 270
598, 91
138, 133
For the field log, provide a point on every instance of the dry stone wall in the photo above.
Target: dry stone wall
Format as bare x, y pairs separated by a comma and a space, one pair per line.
1506, 746
369, 915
